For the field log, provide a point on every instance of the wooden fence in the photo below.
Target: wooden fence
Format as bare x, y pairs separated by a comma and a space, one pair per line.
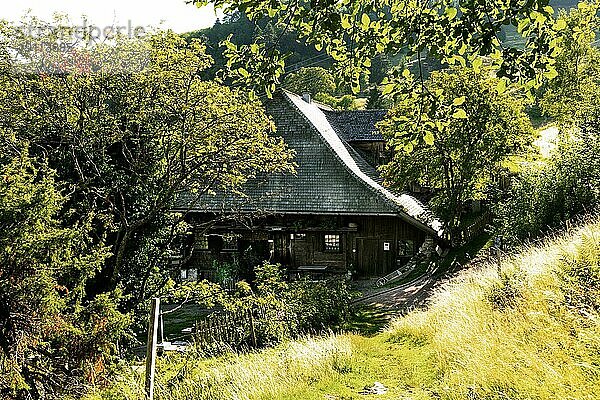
235, 329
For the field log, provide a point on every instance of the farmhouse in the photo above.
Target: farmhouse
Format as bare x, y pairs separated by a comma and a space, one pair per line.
333, 215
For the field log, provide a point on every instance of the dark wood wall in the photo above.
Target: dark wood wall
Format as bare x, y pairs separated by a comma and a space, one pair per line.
368, 245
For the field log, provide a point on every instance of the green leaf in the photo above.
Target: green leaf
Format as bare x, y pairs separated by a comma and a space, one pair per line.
243, 72
387, 89
477, 63
451, 12
459, 114
428, 138
367, 62
560, 25
346, 22
229, 45
551, 73
365, 21
501, 86
408, 148
459, 101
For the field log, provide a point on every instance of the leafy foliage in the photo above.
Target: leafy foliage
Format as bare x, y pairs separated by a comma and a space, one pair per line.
237, 28
49, 335
311, 80
130, 143
356, 33
130, 131
304, 306
545, 196
466, 126
572, 97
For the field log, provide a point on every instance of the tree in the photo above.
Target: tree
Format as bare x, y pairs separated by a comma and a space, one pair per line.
465, 126
574, 95
243, 31
132, 133
50, 336
354, 33
565, 187
311, 80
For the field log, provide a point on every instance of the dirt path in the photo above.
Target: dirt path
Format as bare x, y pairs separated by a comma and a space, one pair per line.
403, 297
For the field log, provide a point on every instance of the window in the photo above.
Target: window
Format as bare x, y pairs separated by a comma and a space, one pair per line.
298, 236
201, 242
332, 243
406, 248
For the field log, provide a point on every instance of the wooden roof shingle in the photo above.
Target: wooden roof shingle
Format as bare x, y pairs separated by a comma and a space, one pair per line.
356, 125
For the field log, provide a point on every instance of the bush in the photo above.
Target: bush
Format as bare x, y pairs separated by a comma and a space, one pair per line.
309, 306
52, 338
271, 310
581, 276
544, 197
289, 309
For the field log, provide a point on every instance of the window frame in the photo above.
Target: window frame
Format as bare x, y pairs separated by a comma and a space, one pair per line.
201, 239
327, 248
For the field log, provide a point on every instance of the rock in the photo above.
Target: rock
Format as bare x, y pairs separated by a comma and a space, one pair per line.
376, 388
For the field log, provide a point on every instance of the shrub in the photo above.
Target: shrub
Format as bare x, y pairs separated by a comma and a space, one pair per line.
303, 306
544, 197
581, 276
280, 309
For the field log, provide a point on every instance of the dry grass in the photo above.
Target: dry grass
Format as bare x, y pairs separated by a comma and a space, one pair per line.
527, 328
508, 331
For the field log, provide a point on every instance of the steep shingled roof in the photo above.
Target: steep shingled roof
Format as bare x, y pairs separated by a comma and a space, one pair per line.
361, 169
356, 125
331, 177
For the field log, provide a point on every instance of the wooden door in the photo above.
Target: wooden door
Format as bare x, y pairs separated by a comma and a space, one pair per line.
302, 250
368, 263
374, 258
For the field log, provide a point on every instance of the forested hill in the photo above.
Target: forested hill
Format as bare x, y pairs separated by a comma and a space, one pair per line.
244, 31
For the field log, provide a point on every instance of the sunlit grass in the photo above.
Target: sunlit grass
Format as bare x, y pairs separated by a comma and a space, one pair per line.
526, 328
507, 331
260, 375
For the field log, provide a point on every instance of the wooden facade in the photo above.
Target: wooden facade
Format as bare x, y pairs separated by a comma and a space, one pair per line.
361, 245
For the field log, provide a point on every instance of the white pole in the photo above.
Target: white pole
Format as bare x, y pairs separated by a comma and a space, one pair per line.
151, 347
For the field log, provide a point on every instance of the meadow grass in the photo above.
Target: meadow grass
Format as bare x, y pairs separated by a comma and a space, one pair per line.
514, 330
527, 327
259, 375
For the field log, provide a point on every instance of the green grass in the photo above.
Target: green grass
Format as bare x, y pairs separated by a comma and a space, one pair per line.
367, 320
528, 328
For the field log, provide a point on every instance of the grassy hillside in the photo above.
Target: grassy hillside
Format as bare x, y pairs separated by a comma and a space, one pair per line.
526, 328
